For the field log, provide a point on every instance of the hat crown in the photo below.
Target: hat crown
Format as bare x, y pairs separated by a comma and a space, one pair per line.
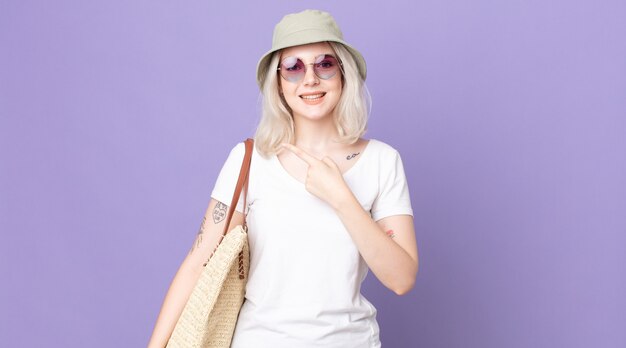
307, 20
306, 27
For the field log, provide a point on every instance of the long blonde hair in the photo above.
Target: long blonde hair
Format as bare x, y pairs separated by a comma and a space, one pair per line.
350, 114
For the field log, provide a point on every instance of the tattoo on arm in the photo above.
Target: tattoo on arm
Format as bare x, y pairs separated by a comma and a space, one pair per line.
391, 234
219, 213
200, 232
199, 235
352, 156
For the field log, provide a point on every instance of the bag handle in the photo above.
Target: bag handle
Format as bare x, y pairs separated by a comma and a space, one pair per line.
242, 182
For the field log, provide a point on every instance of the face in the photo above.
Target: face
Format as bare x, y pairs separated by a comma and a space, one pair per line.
312, 97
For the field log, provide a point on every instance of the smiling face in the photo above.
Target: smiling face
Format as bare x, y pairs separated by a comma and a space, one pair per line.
311, 97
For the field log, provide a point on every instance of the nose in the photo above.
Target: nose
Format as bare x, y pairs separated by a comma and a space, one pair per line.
310, 79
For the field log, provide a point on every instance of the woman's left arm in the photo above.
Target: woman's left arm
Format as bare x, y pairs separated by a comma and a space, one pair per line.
387, 246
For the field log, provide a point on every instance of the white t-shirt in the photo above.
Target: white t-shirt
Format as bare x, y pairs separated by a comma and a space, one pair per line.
305, 270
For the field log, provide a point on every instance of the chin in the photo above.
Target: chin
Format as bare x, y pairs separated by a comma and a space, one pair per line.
313, 115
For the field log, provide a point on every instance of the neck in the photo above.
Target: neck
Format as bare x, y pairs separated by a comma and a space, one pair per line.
315, 136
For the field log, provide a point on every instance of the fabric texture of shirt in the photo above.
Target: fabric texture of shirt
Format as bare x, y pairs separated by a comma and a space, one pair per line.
305, 271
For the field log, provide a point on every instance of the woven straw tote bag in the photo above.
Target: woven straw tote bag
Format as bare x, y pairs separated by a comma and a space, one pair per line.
210, 315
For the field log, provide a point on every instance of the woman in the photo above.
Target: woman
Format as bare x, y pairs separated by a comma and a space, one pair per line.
323, 203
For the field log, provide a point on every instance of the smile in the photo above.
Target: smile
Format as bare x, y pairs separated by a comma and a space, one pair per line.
312, 96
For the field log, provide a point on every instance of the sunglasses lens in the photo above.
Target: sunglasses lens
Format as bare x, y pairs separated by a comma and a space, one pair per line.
292, 69
326, 66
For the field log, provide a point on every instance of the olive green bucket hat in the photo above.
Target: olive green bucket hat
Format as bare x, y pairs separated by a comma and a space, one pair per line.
308, 26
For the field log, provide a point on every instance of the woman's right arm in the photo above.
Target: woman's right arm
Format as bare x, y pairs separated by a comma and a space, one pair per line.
190, 270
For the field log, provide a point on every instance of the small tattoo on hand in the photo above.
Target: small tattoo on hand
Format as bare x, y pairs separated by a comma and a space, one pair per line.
391, 234
219, 213
352, 156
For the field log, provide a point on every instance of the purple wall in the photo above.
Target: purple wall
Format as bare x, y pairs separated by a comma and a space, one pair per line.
115, 118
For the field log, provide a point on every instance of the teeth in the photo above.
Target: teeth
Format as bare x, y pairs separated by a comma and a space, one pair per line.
312, 97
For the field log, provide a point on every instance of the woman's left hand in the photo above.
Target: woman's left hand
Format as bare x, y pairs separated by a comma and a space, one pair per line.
324, 179
394, 262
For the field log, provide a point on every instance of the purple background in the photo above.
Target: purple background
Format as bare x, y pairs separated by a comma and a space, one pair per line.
116, 116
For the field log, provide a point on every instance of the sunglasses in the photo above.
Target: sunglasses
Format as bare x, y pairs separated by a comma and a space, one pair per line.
293, 69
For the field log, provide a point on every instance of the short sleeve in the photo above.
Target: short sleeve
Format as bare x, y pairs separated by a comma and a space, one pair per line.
227, 180
393, 195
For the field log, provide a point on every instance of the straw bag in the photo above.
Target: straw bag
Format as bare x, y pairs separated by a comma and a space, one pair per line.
210, 315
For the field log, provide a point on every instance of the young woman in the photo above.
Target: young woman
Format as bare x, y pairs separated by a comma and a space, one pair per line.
324, 204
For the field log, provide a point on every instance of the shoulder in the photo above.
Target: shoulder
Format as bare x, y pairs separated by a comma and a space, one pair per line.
237, 152
384, 159
382, 150
239, 148
233, 158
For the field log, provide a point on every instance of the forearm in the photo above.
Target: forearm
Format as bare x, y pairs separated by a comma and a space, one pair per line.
191, 269
391, 264
174, 303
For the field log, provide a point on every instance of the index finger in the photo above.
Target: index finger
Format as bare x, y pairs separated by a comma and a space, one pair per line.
300, 153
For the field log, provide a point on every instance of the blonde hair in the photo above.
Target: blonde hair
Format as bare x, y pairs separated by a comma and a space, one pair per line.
350, 114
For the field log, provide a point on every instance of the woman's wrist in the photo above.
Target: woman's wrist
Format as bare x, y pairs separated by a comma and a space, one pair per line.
345, 202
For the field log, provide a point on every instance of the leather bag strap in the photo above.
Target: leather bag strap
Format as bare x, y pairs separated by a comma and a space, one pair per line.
242, 183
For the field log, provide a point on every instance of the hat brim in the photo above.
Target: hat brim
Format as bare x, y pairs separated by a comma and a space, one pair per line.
297, 40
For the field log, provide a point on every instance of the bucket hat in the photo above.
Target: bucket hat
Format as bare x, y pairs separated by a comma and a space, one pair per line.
308, 26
